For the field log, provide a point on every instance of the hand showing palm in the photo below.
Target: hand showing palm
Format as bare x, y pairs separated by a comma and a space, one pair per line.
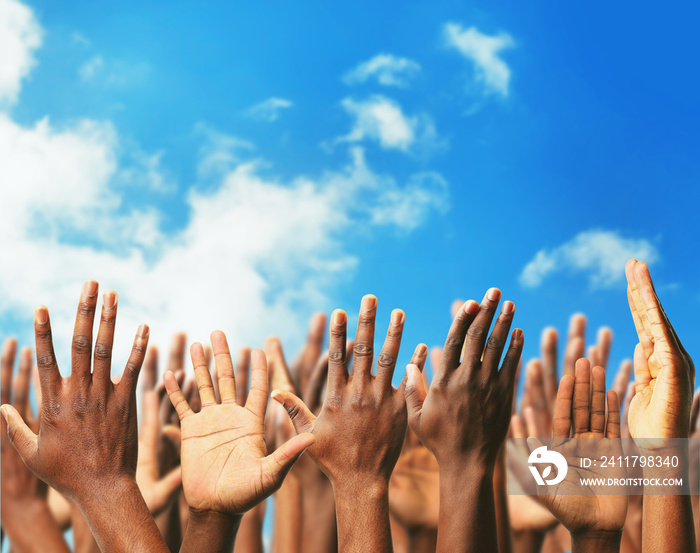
663, 371
225, 465
594, 436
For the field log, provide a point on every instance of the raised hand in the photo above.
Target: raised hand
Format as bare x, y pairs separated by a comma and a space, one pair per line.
580, 412
87, 442
660, 410
664, 373
360, 428
24, 513
463, 419
225, 465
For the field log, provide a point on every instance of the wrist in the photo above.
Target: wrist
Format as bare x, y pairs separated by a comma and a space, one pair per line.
596, 540
371, 487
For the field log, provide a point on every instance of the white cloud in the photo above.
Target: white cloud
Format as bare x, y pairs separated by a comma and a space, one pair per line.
20, 36
90, 69
269, 110
382, 119
600, 254
387, 69
483, 51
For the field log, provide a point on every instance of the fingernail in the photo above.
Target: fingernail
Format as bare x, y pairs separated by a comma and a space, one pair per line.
41, 314
493, 294
507, 308
369, 302
143, 330
110, 299
339, 317
89, 289
397, 317
421, 349
470, 307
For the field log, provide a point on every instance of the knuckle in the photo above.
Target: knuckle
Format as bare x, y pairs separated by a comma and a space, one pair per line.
46, 361
476, 332
336, 356
386, 360
103, 352
86, 309
43, 332
494, 343
363, 350
82, 344
453, 341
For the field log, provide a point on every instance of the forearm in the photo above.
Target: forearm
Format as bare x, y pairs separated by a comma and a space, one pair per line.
667, 520
505, 542
83, 540
467, 520
422, 541
31, 528
249, 537
362, 512
596, 542
119, 519
169, 526
528, 541
211, 532
319, 528
287, 526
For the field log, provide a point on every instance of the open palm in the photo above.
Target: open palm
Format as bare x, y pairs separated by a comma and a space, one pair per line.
225, 465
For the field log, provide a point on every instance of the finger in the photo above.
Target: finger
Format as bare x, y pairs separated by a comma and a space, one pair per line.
479, 329
176, 358
642, 374
133, 365
613, 427
592, 355
314, 389
150, 369
150, 432
202, 375
302, 418
36, 385
622, 378
531, 423
364, 339
386, 362
277, 464
169, 484
337, 355
176, 396
509, 367
21, 436
20, 389
415, 393
452, 350
51, 380
304, 364
497, 340
81, 348
208, 355
597, 423
277, 365
582, 392
575, 343
420, 354
561, 422
636, 308
189, 390
174, 434
224, 370
242, 374
603, 345
548, 354
625, 408
517, 428
105, 338
455, 307
434, 354
7, 366
257, 397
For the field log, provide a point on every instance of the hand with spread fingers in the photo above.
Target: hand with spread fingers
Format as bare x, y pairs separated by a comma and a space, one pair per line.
225, 466
582, 429
87, 442
462, 418
360, 428
24, 513
660, 410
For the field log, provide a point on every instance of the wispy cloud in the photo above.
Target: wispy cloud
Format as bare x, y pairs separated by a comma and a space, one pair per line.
381, 119
389, 70
599, 254
97, 70
482, 50
20, 36
269, 110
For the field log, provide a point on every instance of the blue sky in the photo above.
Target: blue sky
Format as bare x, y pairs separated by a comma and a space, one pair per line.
242, 165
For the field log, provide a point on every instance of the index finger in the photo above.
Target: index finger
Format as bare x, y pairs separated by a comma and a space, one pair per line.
49, 375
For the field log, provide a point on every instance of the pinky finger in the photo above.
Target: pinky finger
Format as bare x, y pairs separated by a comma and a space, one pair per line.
176, 396
613, 427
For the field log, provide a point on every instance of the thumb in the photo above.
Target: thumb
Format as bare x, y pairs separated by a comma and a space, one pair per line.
415, 393
172, 433
302, 418
24, 440
278, 463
